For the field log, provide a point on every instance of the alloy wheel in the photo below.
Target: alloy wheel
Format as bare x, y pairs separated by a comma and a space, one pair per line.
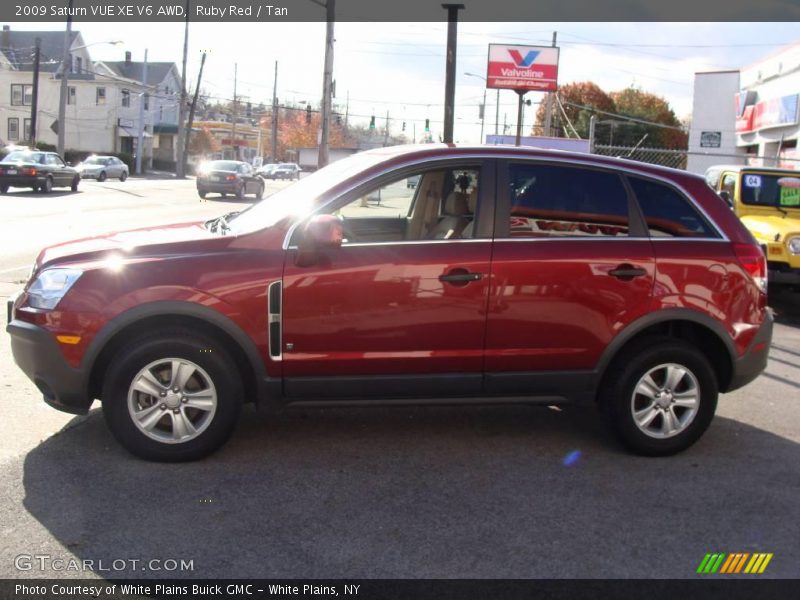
665, 400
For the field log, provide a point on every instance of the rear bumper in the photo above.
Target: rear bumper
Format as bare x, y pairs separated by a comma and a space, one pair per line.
36, 352
22, 181
750, 365
217, 187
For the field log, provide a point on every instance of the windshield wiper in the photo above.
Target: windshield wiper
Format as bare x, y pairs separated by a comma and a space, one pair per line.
221, 223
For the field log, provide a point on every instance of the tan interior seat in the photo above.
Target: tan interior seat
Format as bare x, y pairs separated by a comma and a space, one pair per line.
455, 218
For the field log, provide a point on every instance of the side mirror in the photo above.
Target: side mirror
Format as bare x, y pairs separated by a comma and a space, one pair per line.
321, 232
727, 197
69, 163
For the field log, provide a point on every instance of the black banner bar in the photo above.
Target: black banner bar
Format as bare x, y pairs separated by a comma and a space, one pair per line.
513, 11
707, 588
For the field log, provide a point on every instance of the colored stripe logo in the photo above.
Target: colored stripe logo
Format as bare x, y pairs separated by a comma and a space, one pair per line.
734, 563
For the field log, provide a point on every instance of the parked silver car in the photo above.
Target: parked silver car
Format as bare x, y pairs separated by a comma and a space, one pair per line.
103, 167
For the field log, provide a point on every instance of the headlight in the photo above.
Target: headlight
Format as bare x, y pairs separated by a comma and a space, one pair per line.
794, 244
51, 286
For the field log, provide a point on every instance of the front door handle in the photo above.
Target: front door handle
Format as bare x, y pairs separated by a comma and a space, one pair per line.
460, 277
627, 272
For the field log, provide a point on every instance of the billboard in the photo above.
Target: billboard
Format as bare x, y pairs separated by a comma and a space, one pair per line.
526, 68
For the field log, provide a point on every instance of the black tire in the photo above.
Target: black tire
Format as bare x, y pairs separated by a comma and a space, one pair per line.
180, 344
123, 176
201, 193
74, 185
3, 189
102, 176
617, 399
47, 186
240, 192
260, 192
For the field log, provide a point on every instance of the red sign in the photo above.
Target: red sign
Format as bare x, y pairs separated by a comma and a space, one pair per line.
522, 68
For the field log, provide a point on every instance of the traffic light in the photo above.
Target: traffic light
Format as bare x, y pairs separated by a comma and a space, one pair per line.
249, 110
308, 113
372, 122
404, 125
427, 124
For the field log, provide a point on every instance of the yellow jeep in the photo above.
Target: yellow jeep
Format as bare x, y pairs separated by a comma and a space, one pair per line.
768, 203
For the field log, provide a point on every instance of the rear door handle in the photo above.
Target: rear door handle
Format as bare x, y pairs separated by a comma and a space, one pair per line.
460, 276
627, 271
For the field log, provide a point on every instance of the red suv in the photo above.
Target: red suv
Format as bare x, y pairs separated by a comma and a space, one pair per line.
505, 275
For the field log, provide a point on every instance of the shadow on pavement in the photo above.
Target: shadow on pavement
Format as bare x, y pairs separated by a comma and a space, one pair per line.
436, 492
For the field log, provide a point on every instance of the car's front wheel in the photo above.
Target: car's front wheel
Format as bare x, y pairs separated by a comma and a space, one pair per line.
102, 176
123, 176
660, 395
260, 192
172, 396
75, 182
3, 189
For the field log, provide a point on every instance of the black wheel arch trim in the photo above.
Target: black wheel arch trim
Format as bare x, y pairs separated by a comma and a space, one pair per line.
180, 308
665, 315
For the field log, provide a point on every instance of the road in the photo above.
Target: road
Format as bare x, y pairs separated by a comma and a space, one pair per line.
407, 492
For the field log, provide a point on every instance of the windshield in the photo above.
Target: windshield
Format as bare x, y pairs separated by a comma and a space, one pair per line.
34, 157
299, 199
95, 160
782, 191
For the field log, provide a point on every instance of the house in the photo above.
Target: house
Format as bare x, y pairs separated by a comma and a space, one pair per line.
102, 111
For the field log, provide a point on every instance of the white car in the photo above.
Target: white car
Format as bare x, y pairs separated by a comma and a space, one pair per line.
103, 167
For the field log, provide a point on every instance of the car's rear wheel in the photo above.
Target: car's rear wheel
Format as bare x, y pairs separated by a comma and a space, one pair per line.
3, 189
74, 185
201, 193
123, 176
102, 176
260, 191
172, 396
240, 192
47, 186
660, 396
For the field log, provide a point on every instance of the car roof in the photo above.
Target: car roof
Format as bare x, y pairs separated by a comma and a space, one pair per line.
739, 168
433, 151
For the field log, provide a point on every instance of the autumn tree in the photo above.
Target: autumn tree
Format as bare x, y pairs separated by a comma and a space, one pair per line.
203, 143
573, 97
634, 102
297, 130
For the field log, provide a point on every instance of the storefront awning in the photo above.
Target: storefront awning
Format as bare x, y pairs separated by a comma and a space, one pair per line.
130, 132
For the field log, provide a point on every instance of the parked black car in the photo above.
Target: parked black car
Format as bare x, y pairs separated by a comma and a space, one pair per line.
229, 177
40, 171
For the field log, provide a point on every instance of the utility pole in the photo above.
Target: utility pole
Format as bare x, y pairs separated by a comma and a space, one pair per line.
235, 111
520, 104
275, 115
548, 109
191, 113
386, 131
182, 133
330, 16
483, 114
497, 114
35, 98
140, 141
62, 92
450, 70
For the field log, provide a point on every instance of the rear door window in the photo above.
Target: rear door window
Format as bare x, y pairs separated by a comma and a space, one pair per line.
557, 201
668, 213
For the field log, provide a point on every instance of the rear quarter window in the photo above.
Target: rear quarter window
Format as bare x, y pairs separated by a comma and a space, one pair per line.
668, 213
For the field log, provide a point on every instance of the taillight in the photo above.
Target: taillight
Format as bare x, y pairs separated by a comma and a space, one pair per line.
29, 171
753, 261
231, 178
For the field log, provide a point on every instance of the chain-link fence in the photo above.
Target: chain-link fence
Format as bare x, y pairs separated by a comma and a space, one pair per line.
657, 156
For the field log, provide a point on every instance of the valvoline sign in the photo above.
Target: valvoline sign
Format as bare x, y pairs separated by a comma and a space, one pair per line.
522, 68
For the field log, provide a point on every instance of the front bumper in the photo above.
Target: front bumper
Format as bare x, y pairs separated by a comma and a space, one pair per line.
750, 365
36, 352
783, 274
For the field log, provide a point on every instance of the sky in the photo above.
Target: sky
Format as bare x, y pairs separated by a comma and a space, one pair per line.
400, 67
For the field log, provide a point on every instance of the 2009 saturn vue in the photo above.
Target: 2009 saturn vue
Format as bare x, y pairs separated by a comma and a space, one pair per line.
504, 275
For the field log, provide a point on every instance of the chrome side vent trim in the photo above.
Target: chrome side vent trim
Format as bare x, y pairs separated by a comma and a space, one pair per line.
274, 306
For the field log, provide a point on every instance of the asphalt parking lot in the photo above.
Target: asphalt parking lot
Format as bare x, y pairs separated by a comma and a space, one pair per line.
457, 492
